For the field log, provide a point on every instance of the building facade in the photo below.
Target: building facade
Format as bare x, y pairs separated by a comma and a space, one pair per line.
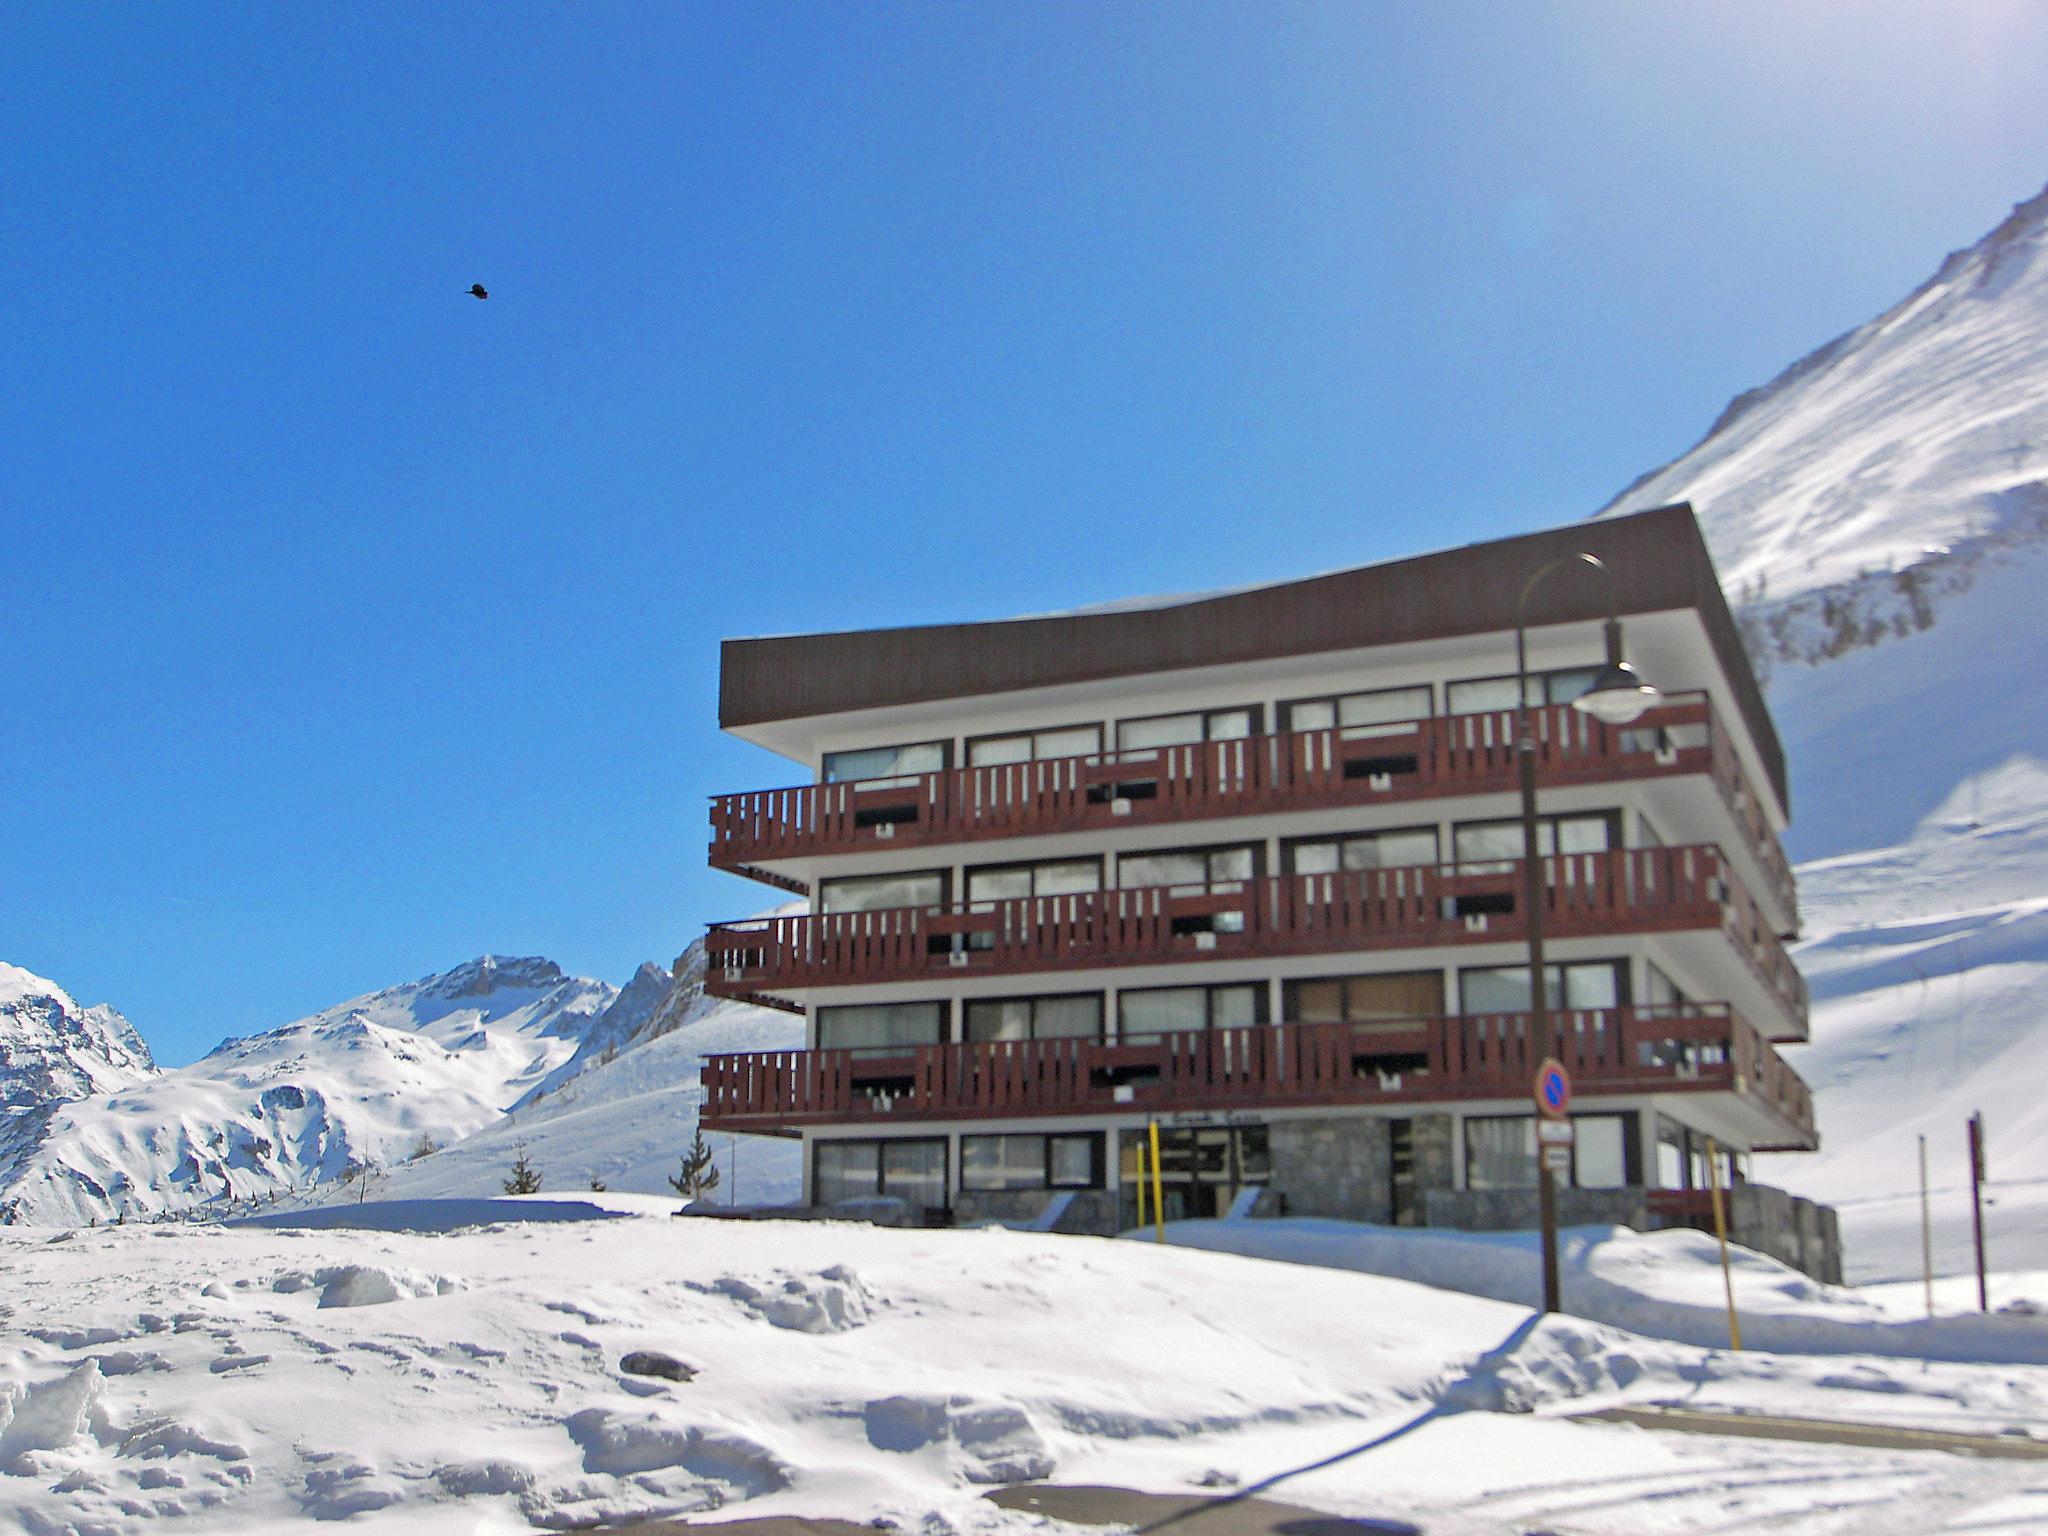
1248, 868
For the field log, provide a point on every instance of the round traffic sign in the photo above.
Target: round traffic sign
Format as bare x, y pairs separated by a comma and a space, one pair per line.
1553, 1087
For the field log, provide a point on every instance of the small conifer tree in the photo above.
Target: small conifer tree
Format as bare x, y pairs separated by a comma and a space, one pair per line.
698, 1175
525, 1178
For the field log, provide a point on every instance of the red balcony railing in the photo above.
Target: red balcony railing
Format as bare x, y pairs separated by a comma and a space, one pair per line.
1302, 770
1694, 1047
1589, 894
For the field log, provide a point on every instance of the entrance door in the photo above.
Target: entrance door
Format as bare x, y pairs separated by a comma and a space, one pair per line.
1201, 1169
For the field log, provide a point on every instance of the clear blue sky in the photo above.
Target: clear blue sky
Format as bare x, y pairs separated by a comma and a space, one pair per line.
353, 627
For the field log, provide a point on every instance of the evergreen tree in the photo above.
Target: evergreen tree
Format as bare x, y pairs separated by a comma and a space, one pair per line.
525, 1178
699, 1175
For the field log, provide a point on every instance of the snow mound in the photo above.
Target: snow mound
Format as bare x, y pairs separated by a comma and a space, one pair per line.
987, 1442
364, 1285
831, 1301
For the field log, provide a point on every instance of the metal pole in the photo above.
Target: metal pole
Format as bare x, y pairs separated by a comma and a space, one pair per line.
1926, 1233
1540, 1043
1158, 1199
1140, 1150
1977, 1205
1721, 1237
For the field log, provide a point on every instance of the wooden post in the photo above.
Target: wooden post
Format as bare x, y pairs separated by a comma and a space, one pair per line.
1721, 1237
1977, 1205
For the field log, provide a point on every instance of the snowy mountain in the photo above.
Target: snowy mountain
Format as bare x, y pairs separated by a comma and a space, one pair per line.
53, 1052
1880, 515
356, 1085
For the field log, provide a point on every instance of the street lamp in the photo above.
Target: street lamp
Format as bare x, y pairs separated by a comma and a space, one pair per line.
1617, 697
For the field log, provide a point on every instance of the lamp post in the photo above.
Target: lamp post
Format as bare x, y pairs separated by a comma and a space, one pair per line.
1617, 697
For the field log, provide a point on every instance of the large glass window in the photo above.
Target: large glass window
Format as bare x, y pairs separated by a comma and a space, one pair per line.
1191, 867
912, 1170
1480, 695
874, 893
1364, 850
1379, 712
1186, 729
1500, 1152
1169, 1010
1025, 746
846, 1170
1077, 1016
1006, 882
878, 1027
1030, 1162
1340, 999
1481, 845
885, 762
1505, 988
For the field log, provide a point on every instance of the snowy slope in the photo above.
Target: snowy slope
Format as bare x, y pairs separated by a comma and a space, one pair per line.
1908, 432
225, 1380
1880, 512
353, 1085
624, 1120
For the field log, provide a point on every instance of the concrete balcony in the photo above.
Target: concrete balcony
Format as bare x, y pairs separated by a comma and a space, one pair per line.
1633, 891
1692, 1048
1434, 758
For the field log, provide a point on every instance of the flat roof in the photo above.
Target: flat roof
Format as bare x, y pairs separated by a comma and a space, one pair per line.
1659, 560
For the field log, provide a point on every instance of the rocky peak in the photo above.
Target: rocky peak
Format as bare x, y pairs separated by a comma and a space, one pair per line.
494, 973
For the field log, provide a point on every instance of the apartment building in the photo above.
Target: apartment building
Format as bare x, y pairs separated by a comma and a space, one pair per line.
1247, 868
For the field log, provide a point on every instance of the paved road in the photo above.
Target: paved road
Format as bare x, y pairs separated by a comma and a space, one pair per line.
1876, 1437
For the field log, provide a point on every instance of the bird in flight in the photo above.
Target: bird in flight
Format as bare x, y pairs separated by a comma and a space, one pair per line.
478, 291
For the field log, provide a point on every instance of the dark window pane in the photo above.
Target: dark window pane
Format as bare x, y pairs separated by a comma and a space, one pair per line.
880, 1025
1500, 1152
915, 1171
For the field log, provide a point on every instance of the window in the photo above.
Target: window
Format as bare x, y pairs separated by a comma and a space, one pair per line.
873, 893
1186, 729
1363, 850
851, 1170
1075, 1017
1025, 746
885, 762
1170, 1010
1338, 999
1381, 712
1482, 845
1500, 1152
877, 1027
1195, 868
1031, 1162
1007, 882
1481, 694
1505, 988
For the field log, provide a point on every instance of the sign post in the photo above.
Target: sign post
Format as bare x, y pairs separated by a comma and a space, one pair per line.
1553, 1089
1977, 1205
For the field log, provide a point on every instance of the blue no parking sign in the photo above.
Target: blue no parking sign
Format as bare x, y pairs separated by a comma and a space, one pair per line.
1553, 1087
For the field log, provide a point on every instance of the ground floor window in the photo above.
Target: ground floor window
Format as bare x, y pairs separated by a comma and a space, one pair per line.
1682, 1158
1201, 1168
1063, 1161
1500, 1152
911, 1170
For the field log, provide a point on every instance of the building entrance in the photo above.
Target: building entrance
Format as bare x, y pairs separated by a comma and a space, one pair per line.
1201, 1169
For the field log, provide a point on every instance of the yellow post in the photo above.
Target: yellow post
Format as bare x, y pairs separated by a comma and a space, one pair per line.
1721, 1237
1158, 1199
1140, 1152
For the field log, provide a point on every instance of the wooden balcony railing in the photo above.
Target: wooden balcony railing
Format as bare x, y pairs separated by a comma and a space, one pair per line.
1302, 770
1691, 1047
1639, 890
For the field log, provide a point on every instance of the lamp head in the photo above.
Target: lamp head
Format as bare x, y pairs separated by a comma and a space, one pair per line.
1618, 695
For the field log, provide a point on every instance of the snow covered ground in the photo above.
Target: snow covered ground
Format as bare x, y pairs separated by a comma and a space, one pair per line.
222, 1379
